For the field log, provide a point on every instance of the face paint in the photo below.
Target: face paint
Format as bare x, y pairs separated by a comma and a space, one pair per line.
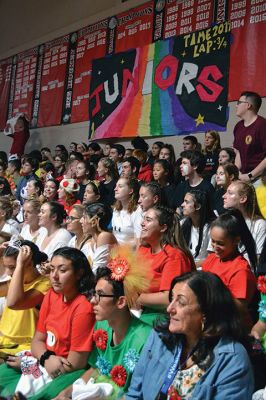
185, 169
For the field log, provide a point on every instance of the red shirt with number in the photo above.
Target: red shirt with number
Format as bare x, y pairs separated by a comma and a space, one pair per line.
68, 326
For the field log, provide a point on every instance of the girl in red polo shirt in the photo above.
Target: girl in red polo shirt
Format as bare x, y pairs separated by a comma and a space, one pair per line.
227, 231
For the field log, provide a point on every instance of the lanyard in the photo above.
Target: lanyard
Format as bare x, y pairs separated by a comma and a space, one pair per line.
172, 370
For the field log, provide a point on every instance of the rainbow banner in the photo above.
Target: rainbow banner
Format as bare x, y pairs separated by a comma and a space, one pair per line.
170, 87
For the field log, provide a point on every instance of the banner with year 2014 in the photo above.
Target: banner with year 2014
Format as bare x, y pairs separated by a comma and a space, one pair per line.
248, 54
170, 87
24, 82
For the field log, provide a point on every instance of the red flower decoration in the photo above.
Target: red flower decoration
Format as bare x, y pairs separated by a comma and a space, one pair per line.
65, 184
100, 338
173, 394
119, 267
262, 284
119, 375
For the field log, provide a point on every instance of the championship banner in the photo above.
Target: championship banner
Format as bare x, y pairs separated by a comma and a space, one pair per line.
24, 82
5, 79
134, 27
169, 87
248, 25
91, 44
12, 87
69, 82
187, 16
53, 81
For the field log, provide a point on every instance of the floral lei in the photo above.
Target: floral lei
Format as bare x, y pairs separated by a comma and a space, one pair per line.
118, 373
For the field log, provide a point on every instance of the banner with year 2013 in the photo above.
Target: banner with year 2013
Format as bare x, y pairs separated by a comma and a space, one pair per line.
24, 82
248, 54
170, 87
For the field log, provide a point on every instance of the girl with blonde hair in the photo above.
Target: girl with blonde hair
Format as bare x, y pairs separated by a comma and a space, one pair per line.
31, 229
242, 196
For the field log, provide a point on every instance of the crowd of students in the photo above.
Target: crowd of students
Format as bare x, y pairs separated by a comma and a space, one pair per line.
132, 239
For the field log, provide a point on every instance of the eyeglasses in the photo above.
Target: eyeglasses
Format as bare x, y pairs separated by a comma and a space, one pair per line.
240, 102
70, 218
97, 296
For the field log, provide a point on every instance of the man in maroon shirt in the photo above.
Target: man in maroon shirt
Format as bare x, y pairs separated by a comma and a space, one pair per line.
250, 137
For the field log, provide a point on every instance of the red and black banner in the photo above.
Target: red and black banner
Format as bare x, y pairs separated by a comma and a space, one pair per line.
248, 54
187, 16
53, 81
134, 27
5, 80
12, 87
25, 82
91, 43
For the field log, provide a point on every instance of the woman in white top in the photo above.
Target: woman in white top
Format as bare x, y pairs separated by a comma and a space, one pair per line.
96, 218
74, 226
196, 225
242, 196
127, 215
51, 217
31, 229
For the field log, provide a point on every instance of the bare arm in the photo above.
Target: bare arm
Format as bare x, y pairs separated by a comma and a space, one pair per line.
159, 300
237, 159
17, 298
74, 361
259, 168
106, 238
258, 329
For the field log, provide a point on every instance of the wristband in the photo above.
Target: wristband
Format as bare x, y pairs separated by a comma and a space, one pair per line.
250, 175
45, 356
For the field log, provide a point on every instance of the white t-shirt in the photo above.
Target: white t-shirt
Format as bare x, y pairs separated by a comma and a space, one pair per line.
38, 235
98, 257
60, 239
126, 226
9, 228
258, 231
194, 239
